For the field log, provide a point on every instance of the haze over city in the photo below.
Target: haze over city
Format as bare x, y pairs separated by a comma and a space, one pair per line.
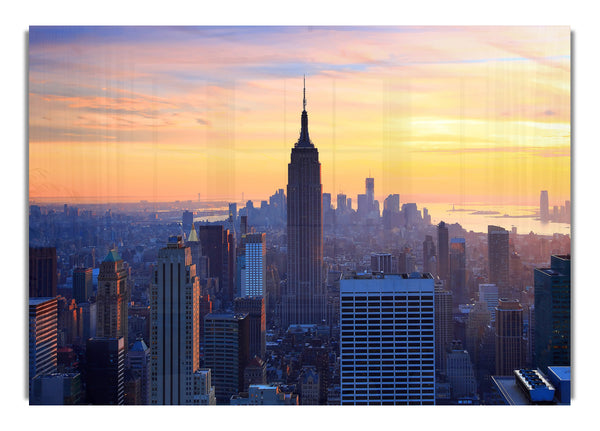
436, 114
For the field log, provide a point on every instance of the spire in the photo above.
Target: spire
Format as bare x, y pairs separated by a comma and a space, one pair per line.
304, 140
193, 235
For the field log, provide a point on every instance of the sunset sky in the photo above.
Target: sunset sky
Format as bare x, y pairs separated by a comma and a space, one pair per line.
446, 114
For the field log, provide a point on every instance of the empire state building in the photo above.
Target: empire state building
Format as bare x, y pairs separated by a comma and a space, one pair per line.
304, 298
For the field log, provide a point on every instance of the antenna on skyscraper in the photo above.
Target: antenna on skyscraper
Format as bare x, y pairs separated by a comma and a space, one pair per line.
304, 99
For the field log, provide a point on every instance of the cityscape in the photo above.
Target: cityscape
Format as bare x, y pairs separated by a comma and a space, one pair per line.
199, 241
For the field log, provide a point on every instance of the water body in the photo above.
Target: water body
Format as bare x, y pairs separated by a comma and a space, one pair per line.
477, 217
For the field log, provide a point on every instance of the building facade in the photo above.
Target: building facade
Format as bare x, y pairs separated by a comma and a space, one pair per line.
510, 352
112, 298
226, 352
105, 371
43, 275
174, 337
553, 313
387, 340
43, 337
254, 274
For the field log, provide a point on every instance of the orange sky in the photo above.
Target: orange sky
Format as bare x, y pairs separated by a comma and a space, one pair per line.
450, 114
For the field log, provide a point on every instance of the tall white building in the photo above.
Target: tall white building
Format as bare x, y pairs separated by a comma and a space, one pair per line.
387, 339
254, 275
175, 336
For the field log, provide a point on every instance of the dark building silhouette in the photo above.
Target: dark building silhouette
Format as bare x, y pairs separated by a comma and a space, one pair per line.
105, 371
255, 308
43, 275
226, 352
304, 299
218, 244
553, 313
187, 219
498, 257
443, 252
82, 284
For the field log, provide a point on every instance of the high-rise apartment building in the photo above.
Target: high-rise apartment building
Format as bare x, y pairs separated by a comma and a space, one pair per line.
498, 257
112, 298
105, 370
553, 313
226, 352
510, 352
43, 274
82, 284
443, 251
43, 341
387, 339
304, 300
174, 339
254, 275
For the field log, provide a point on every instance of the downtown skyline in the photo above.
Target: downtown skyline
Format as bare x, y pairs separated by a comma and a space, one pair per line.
433, 113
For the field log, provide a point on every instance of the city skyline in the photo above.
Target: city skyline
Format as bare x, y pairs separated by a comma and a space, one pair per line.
156, 112
312, 250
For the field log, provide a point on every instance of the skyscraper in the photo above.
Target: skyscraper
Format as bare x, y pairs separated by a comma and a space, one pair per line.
498, 257
43, 275
443, 324
254, 276
544, 212
387, 339
112, 298
138, 361
105, 370
43, 331
255, 308
429, 260
458, 270
510, 352
304, 299
175, 295
553, 313
198, 258
370, 192
443, 253
82, 284
226, 352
